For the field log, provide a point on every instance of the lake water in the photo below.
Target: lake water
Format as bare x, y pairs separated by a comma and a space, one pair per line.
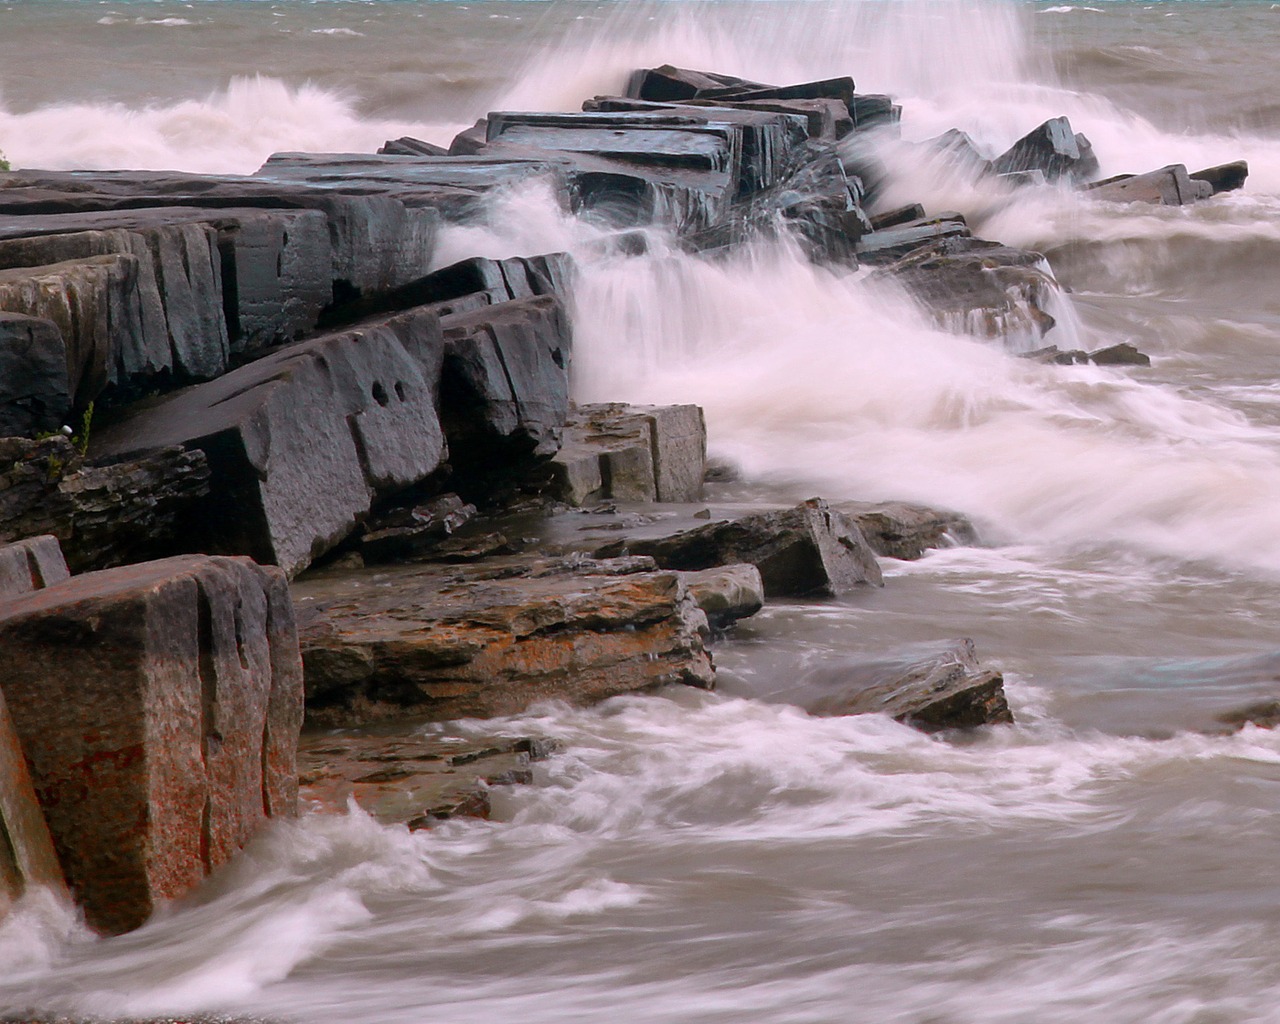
714, 858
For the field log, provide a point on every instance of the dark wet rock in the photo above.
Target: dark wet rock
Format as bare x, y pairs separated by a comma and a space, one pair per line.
897, 217
480, 641
811, 549
896, 529
467, 285
301, 442
1169, 186
35, 393
870, 110
408, 531
27, 856
504, 385
841, 88
1224, 177
158, 706
406, 777
1265, 714
931, 687
470, 141
726, 593
666, 83
407, 146
1122, 354
1052, 148
266, 280
888, 245
1052, 355
104, 513
631, 453
973, 286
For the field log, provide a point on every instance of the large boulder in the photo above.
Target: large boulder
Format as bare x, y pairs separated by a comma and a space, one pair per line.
811, 549
445, 642
301, 442
159, 707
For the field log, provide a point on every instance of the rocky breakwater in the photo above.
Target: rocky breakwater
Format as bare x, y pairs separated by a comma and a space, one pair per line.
274, 381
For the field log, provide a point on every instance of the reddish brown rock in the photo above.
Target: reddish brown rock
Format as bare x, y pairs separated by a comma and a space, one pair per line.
159, 707
26, 850
441, 642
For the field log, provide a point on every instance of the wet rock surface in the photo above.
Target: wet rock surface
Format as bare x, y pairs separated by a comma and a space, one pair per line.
812, 549
413, 776
158, 707
898, 529
441, 642
928, 686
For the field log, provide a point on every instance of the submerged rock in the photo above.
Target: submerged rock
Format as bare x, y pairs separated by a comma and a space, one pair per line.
411, 778
158, 706
937, 687
896, 529
443, 642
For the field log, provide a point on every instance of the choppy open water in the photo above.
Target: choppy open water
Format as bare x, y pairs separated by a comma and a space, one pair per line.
713, 858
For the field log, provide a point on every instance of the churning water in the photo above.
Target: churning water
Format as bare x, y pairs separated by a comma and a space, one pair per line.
723, 858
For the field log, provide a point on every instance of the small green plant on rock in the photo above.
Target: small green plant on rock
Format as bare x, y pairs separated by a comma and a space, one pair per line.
81, 440
4, 164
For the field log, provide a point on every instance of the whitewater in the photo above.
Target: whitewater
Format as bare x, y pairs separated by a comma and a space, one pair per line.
709, 858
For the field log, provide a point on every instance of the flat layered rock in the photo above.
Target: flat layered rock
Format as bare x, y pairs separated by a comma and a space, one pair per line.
443, 642
301, 442
1224, 177
158, 706
1168, 186
811, 549
103, 514
930, 687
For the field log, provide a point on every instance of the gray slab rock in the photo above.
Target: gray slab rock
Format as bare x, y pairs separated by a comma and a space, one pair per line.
1052, 148
443, 642
932, 687
504, 385
159, 707
668, 82
35, 393
896, 529
811, 549
96, 304
301, 442
31, 564
276, 268
726, 593
1168, 186
1224, 177
887, 245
